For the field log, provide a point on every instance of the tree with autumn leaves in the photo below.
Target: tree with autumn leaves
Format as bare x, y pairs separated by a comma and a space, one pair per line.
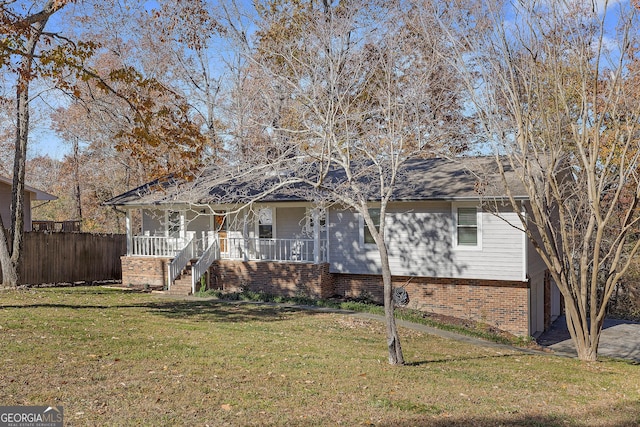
149, 121
22, 55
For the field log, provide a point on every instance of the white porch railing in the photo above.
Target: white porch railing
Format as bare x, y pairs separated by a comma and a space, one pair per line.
293, 250
157, 246
180, 262
163, 246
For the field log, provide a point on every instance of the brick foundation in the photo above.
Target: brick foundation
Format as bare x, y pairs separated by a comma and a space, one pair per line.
503, 304
144, 272
279, 278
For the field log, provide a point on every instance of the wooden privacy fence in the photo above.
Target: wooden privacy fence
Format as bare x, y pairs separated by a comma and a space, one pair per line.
72, 257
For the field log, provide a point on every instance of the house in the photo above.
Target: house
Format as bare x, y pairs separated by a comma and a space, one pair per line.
31, 195
455, 252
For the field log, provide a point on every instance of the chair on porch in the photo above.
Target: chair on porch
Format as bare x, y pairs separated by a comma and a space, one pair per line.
296, 251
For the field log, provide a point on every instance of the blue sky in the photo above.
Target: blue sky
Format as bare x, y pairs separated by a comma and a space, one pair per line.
44, 141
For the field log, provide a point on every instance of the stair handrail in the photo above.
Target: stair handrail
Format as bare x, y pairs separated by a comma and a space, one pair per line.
211, 254
180, 261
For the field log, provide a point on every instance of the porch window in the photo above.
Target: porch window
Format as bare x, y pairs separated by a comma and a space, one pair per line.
265, 223
374, 213
467, 229
322, 216
173, 223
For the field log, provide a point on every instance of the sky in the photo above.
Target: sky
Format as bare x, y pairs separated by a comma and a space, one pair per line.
44, 141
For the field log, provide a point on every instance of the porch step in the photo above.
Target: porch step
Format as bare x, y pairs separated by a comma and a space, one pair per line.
182, 285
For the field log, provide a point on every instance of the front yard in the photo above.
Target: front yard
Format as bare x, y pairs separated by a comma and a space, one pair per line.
112, 357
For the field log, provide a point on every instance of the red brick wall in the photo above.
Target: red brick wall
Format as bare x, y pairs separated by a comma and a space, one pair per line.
502, 304
277, 278
143, 272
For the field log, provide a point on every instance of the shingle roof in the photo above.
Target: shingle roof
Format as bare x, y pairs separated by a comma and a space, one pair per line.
419, 179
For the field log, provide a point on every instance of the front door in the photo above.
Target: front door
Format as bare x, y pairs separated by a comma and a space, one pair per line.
220, 227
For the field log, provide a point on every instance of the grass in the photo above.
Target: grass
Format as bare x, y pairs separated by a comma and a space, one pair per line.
126, 358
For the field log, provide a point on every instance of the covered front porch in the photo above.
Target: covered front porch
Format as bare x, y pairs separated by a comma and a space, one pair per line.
234, 248
187, 240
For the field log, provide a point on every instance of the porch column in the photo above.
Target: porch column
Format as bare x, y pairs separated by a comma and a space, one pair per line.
183, 225
316, 235
127, 225
245, 237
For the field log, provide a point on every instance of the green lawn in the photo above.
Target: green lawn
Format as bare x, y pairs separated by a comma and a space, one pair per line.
121, 358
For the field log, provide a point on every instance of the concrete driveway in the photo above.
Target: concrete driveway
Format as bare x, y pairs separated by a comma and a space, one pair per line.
620, 339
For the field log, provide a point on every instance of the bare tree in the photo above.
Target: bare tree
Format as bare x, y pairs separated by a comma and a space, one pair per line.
346, 100
550, 84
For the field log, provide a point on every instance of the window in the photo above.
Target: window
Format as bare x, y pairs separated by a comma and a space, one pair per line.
322, 215
173, 223
467, 227
265, 223
375, 217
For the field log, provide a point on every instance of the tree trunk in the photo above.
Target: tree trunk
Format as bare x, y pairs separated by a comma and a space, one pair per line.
9, 276
393, 339
76, 177
12, 276
585, 341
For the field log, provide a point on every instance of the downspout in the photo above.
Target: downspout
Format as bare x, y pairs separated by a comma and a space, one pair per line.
525, 273
525, 251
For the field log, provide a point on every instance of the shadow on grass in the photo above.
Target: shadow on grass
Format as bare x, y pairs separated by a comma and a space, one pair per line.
528, 421
457, 359
622, 414
205, 311
71, 306
224, 311
625, 416
525, 421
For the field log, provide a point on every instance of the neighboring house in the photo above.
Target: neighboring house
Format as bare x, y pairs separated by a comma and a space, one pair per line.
452, 254
31, 195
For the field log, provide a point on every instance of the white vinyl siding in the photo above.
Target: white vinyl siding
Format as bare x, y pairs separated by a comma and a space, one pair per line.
420, 243
198, 221
290, 222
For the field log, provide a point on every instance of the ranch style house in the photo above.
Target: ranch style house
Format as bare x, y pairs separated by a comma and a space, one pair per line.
453, 240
